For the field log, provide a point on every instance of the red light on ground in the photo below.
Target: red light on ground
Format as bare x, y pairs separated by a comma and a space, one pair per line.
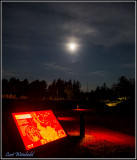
99, 137
82, 109
66, 118
38, 128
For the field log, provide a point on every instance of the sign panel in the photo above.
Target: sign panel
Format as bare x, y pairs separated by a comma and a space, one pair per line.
38, 128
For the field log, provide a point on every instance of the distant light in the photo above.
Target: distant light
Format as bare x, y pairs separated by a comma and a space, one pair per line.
113, 104
38, 128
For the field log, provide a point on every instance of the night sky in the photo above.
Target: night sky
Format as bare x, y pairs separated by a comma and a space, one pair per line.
36, 38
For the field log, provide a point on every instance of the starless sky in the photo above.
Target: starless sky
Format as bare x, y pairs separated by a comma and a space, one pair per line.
36, 35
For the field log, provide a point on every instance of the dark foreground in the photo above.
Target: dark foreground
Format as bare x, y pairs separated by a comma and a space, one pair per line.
107, 135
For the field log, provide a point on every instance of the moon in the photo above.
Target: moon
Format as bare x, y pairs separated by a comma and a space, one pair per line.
72, 47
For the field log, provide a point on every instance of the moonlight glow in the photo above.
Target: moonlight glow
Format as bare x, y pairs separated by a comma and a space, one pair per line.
72, 47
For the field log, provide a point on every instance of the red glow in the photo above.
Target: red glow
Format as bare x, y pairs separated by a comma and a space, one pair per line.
38, 128
82, 109
103, 136
114, 137
66, 118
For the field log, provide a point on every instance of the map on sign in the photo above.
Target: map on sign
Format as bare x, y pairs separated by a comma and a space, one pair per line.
38, 128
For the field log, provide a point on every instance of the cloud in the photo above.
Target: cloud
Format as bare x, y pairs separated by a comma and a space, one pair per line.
106, 24
78, 28
41, 24
10, 73
68, 72
98, 73
53, 66
128, 65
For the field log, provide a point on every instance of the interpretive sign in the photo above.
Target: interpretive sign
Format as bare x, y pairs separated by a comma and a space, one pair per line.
38, 128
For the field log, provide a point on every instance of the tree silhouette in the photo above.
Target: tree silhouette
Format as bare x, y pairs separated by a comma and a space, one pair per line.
52, 90
60, 85
124, 87
76, 89
66, 89
69, 91
37, 89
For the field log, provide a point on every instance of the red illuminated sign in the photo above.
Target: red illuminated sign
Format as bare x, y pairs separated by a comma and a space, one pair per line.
38, 128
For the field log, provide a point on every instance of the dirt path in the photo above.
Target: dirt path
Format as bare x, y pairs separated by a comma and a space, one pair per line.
99, 141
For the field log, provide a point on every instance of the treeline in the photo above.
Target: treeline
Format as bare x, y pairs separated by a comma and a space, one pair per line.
59, 89
123, 88
71, 90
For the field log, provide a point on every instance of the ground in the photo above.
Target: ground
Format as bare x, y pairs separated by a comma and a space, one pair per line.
106, 136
